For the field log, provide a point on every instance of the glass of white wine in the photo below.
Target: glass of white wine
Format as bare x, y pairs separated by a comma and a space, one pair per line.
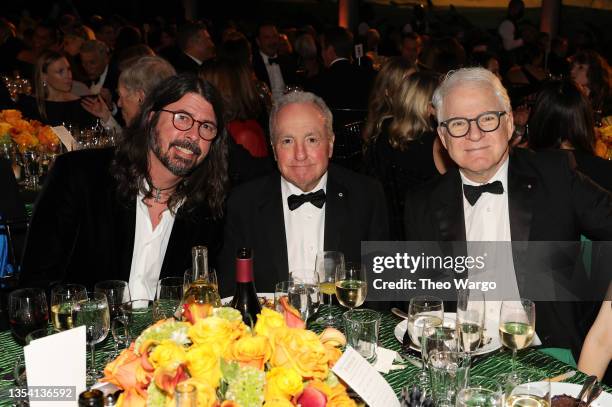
516, 326
423, 310
470, 319
351, 285
93, 313
63, 298
533, 394
326, 265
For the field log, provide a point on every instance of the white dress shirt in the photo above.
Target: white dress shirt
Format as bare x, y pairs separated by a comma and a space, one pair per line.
277, 83
97, 87
149, 251
304, 229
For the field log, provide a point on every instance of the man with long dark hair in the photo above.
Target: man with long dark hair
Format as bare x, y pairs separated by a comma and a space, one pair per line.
134, 212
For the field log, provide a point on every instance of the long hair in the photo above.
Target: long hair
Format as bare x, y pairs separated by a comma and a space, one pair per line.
562, 113
388, 80
207, 183
411, 109
599, 75
45, 59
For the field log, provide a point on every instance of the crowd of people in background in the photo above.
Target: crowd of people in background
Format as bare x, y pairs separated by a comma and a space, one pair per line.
102, 69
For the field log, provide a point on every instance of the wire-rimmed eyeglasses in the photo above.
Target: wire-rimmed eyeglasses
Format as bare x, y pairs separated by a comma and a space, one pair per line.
183, 121
460, 126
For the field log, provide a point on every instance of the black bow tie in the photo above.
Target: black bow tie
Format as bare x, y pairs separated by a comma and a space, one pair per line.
272, 61
315, 198
473, 192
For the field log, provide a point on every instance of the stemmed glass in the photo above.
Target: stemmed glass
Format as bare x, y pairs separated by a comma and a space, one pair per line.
93, 313
351, 285
27, 312
117, 293
470, 319
325, 267
63, 298
422, 311
168, 298
516, 326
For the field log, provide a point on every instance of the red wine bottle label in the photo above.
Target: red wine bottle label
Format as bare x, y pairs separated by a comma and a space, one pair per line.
244, 270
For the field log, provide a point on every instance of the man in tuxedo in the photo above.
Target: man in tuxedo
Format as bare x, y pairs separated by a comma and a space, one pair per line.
310, 206
102, 75
275, 70
497, 194
195, 47
134, 212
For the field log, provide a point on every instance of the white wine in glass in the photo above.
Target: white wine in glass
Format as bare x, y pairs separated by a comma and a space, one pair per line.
325, 267
516, 326
63, 298
470, 319
351, 285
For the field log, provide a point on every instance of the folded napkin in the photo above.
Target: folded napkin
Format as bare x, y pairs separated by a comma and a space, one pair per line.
384, 359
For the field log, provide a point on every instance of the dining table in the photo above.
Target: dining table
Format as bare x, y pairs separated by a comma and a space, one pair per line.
531, 361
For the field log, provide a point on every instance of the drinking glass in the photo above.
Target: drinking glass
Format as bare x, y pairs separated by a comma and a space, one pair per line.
481, 392
138, 314
27, 312
168, 298
205, 290
63, 298
362, 327
93, 313
449, 373
303, 295
186, 395
19, 370
536, 394
423, 310
326, 265
470, 319
351, 285
281, 290
117, 292
30, 162
516, 326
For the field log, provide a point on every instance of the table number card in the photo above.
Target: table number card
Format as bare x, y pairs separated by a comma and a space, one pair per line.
65, 136
365, 380
55, 367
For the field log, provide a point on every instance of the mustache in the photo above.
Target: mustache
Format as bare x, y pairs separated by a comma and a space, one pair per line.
188, 145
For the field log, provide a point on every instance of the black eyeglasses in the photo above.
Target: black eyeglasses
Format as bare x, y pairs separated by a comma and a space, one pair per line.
183, 121
460, 126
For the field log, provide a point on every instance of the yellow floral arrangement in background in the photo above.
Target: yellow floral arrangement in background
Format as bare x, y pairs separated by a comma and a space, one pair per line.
230, 364
26, 134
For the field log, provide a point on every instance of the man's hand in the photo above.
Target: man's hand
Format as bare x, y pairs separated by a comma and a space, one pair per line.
97, 106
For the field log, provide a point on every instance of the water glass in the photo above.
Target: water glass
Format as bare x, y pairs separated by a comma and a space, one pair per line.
27, 312
63, 298
281, 290
303, 295
481, 392
362, 327
117, 292
448, 374
138, 316
168, 297
423, 310
93, 313
470, 319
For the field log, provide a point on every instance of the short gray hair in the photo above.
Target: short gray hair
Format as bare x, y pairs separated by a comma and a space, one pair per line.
301, 97
146, 73
471, 77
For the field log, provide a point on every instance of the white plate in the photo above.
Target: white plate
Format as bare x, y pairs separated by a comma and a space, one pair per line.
571, 389
267, 296
490, 331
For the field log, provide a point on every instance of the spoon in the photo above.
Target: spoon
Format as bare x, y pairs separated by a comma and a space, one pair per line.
399, 313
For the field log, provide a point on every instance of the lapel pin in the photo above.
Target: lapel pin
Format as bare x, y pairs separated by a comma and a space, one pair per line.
529, 186
340, 194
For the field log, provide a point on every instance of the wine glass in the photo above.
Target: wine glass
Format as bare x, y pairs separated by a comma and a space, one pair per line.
138, 316
93, 313
326, 265
201, 290
27, 312
117, 292
481, 391
63, 298
516, 326
470, 319
168, 298
530, 393
303, 295
351, 285
423, 310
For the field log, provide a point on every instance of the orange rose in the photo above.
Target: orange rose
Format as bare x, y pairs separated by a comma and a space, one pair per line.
250, 350
301, 350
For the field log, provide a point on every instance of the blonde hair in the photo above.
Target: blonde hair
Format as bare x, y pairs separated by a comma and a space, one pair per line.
40, 87
411, 109
391, 76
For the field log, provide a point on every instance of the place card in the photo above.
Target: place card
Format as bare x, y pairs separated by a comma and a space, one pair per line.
363, 378
65, 136
55, 368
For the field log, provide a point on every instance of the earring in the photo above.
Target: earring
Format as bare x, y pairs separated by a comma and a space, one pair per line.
44, 84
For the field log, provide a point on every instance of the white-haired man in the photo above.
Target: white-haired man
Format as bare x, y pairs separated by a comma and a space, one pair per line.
497, 194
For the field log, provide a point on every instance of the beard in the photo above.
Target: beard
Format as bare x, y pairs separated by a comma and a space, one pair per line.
177, 165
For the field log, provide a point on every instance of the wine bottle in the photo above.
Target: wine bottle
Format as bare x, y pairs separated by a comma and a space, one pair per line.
245, 298
91, 398
203, 287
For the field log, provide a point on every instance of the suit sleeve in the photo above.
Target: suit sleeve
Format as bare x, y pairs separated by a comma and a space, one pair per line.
53, 229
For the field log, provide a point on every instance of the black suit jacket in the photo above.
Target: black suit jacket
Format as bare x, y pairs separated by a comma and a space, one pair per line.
355, 211
81, 233
183, 63
548, 201
287, 65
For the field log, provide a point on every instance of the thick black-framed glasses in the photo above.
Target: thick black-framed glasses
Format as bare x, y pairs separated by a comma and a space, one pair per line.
183, 121
460, 126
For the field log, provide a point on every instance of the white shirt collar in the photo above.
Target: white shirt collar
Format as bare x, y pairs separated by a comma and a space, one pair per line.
196, 60
500, 175
289, 189
338, 59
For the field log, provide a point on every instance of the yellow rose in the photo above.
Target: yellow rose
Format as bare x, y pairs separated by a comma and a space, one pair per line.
278, 402
216, 332
339, 397
301, 350
5, 128
206, 394
282, 382
250, 350
167, 354
267, 321
203, 364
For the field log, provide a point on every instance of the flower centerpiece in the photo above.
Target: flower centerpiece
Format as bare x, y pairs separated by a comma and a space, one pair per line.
275, 363
26, 134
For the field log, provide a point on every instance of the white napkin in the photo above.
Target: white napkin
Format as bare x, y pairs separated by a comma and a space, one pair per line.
384, 359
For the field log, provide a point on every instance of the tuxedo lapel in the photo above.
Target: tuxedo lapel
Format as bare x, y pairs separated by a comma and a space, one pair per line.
335, 213
521, 190
449, 212
272, 225
179, 242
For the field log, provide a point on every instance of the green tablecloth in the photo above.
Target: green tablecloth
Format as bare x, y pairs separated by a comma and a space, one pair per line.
536, 364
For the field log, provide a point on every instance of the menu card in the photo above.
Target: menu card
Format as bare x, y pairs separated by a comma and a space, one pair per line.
64, 135
55, 368
363, 378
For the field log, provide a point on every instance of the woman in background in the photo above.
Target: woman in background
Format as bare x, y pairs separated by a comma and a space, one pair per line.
593, 74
